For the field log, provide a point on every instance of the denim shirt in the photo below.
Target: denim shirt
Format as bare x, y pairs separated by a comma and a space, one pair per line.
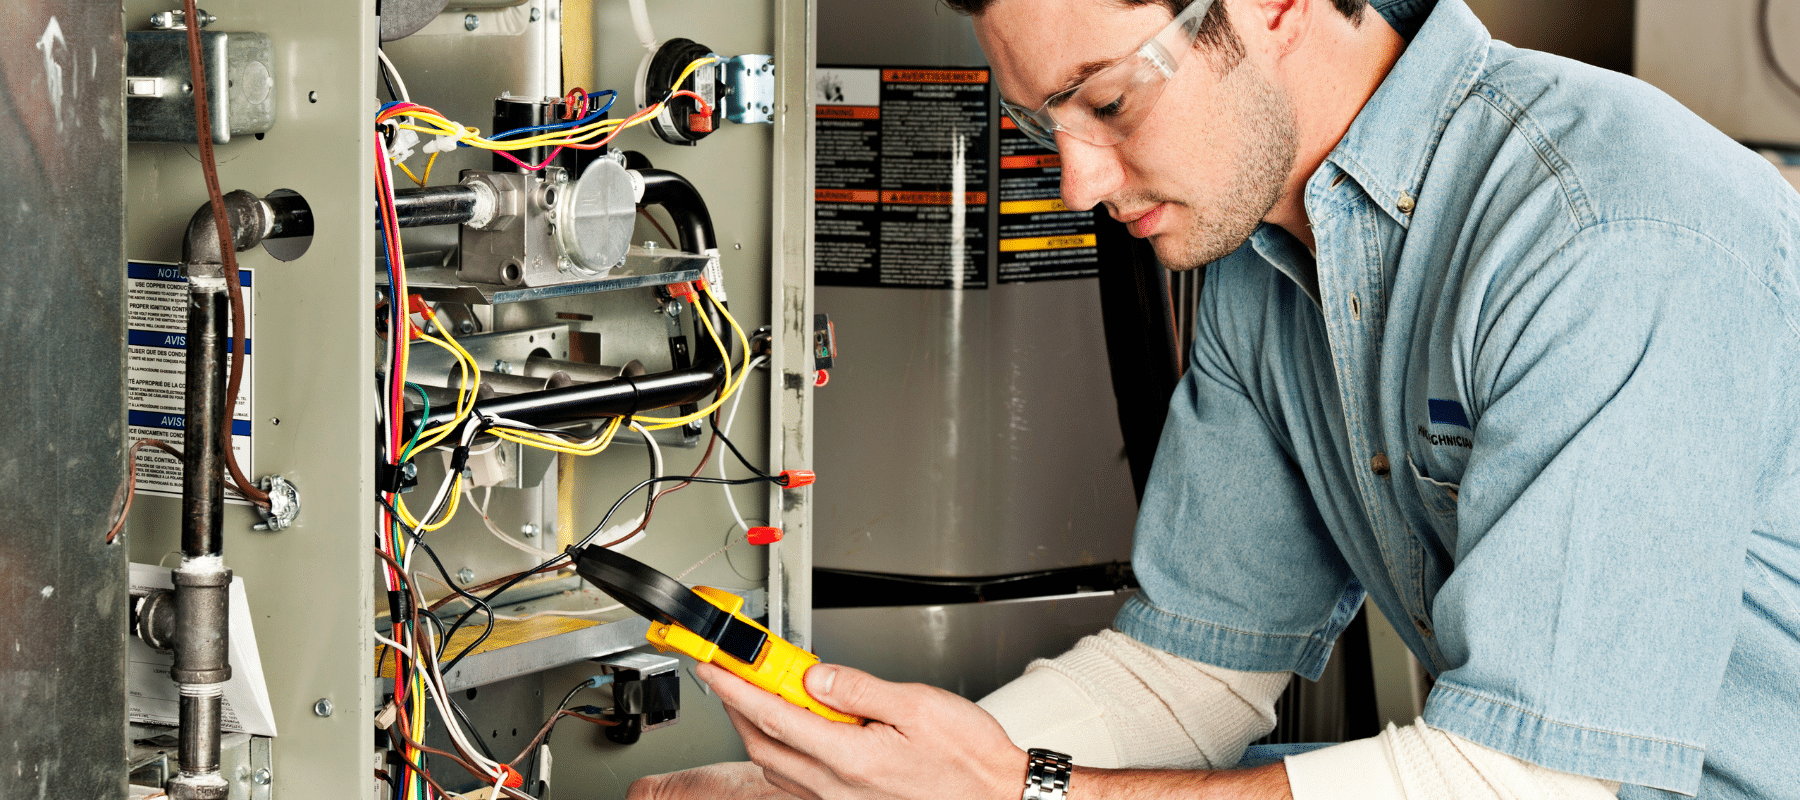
1542, 404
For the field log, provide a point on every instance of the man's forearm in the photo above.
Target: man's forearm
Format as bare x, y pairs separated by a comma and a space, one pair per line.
1262, 783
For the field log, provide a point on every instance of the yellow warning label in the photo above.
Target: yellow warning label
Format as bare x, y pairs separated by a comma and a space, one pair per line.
1032, 206
1046, 243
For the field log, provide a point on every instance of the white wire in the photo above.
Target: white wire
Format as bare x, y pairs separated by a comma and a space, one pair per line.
399, 84
656, 459
499, 534
731, 416
435, 686
404, 650
553, 612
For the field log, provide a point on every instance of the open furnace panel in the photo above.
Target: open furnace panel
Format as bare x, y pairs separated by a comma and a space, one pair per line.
592, 241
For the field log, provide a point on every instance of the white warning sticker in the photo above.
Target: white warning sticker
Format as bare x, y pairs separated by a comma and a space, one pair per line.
156, 378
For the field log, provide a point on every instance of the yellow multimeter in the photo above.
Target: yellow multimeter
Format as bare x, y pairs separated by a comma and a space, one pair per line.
704, 623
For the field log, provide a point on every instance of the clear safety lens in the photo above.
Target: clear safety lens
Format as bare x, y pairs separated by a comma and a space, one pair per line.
1107, 108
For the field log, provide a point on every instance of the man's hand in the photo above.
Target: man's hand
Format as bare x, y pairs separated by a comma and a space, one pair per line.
921, 743
740, 780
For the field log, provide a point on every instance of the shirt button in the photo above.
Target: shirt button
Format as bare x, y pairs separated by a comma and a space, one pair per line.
1379, 464
1406, 203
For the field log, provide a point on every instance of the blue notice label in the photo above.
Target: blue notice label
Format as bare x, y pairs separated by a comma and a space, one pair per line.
168, 272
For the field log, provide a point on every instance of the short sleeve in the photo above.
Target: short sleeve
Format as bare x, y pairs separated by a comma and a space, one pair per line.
1235, 564
1622, 395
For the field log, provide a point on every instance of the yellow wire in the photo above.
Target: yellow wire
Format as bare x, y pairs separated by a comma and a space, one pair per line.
465, 400
428, 164
731, 386
405, 514
409, 173
440, 126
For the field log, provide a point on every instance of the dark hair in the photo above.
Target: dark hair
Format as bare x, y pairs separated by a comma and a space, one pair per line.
1215, 29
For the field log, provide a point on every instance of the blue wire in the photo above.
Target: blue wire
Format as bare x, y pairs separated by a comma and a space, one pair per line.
612, 97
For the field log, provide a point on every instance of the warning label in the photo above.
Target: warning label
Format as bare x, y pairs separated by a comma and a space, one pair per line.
156, 377
902, 177
1040, 238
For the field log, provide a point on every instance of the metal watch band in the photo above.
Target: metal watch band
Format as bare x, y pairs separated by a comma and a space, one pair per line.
1046, 775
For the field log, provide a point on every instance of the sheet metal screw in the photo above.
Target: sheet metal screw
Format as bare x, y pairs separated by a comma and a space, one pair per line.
471, 22
536, 14
465, 575
530, 530
261, 777
323, 707
673, 309
503, 367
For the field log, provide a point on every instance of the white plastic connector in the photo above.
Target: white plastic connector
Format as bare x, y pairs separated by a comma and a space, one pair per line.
443, 143
404, 142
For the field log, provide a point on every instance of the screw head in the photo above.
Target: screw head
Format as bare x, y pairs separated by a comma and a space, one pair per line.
536, 14
530, 530
261, 777
323, 707
465, 575
673, 309
503, 367
471, 22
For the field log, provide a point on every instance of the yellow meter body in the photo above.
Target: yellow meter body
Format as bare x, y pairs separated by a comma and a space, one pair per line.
779, 667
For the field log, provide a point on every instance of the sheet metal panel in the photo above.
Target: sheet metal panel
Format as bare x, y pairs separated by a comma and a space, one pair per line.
62, 383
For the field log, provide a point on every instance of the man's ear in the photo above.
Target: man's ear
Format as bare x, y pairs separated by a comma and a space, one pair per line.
1278, 26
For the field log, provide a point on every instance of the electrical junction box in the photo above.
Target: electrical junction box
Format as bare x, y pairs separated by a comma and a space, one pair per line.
159, 89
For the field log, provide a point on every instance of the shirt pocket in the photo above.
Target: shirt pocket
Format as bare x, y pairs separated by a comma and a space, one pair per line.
1438, 497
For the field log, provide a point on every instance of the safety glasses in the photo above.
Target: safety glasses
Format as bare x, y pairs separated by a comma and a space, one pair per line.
1106, 108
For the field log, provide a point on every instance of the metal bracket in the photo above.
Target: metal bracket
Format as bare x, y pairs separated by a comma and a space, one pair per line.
749, 88
284, 504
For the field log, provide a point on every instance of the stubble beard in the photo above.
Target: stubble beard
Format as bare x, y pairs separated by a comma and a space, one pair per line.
1264, 161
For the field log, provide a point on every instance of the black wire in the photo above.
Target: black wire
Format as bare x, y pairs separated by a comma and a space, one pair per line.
741, 459
470, 726
476, 602
556, 561
381, 67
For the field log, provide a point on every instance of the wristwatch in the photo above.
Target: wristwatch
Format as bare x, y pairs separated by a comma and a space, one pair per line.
1046, 775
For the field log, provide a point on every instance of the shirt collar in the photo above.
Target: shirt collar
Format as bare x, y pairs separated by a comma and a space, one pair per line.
1390, 145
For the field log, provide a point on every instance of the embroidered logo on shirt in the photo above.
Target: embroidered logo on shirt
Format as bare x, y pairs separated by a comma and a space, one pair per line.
1447, 412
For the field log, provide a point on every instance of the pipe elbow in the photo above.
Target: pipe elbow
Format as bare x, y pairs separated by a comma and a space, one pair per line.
251, 220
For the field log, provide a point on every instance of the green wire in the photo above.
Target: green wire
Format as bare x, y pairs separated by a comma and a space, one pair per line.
406, 452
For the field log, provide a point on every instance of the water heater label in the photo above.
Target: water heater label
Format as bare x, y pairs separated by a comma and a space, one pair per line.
156, 378
903, 177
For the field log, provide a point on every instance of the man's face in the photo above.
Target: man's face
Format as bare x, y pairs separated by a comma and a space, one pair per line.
1206, 165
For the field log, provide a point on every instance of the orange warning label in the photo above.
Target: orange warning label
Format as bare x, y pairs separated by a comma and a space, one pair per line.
933, 198
847, 112
1044, 160
846, 196
934, 75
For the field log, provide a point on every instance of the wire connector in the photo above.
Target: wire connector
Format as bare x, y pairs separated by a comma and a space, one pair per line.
763, 534
400, 148
795, 478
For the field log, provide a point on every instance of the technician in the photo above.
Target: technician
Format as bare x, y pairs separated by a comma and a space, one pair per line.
1504, 343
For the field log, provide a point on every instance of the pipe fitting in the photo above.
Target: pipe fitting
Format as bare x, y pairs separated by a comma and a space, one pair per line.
251, 220
202, 616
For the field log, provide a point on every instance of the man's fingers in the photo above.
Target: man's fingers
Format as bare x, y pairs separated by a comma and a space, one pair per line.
740, 780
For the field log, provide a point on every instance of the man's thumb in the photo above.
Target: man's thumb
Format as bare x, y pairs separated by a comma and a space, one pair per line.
851, 691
